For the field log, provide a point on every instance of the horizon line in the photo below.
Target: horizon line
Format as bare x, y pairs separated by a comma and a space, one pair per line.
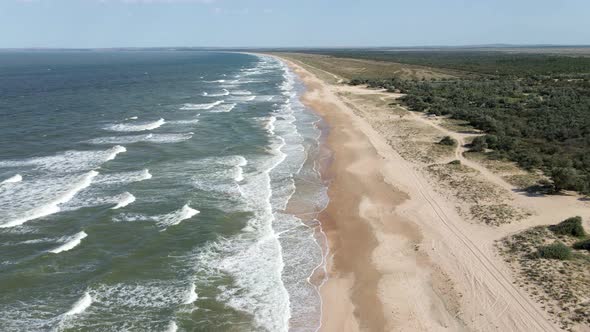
465, 46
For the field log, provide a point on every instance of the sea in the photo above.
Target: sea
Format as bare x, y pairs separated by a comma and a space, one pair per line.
157, 191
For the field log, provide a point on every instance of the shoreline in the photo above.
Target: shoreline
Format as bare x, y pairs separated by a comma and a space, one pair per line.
342, 295
401, 258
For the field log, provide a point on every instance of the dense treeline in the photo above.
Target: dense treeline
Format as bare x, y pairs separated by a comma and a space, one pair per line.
482, 62
540, 120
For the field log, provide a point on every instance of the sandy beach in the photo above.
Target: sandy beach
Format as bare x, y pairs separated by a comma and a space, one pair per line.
401, 257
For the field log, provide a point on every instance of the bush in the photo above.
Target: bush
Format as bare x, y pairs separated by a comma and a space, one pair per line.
571, 226
582, 245
455, 162
448, 140
565, 178
479, 144
556, 250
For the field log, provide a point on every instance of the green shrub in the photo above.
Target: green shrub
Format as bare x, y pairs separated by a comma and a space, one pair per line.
571, 226
556, 250
582, 245
479, 144
455, 162
448, 140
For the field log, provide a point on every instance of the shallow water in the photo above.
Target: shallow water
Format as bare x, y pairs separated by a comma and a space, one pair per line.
147, 191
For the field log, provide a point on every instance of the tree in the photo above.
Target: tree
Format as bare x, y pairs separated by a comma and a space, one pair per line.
479, 144
564, 178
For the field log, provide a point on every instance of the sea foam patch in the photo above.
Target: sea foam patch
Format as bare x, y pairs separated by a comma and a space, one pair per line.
136, 127
194, 107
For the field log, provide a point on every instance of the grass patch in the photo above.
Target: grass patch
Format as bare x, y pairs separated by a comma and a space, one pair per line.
559, 282
556, 250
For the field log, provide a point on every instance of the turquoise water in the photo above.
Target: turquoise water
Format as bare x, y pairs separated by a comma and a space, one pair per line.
156, 191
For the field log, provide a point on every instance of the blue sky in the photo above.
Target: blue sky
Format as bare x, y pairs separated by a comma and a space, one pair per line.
255, 23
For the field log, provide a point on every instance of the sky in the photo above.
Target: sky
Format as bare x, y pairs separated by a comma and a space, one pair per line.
290, 23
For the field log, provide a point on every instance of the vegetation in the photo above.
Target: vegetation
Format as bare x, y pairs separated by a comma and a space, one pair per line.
556, 250
455, 162
560, 283
448, 140
571, 227
582, 245
534, 109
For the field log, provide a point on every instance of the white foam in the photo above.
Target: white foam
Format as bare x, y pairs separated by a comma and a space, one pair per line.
81, 305
124, 200
131, 118
239, 176
136, 127
194, 107
54, 205
115, 151
151, 138
270, 125
191, 295
68, 161
223, 108
243, 98
71, 242
172, 327
13, 179
184, 122
221, 94
176, 217
146, 175
149, 294
122, 178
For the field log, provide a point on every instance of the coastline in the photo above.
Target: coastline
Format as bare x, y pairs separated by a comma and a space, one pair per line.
360, 200
401, 258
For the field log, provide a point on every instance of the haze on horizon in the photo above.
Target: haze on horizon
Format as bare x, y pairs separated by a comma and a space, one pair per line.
303, 23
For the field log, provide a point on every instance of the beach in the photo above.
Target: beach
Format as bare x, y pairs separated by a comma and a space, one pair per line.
401, 256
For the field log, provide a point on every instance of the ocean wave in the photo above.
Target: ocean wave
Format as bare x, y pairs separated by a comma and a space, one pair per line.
172, 327
136, 127
81, 305
265, 98
164, 220
252, 259
242, 98
224, 93
68, 161
185, 122
191, 295
124, 200
240, 93
123, 177
145, 295
70, 242
150, 138
224, 108
194, 107
176, 217
53, 206
13, 179
239, 171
